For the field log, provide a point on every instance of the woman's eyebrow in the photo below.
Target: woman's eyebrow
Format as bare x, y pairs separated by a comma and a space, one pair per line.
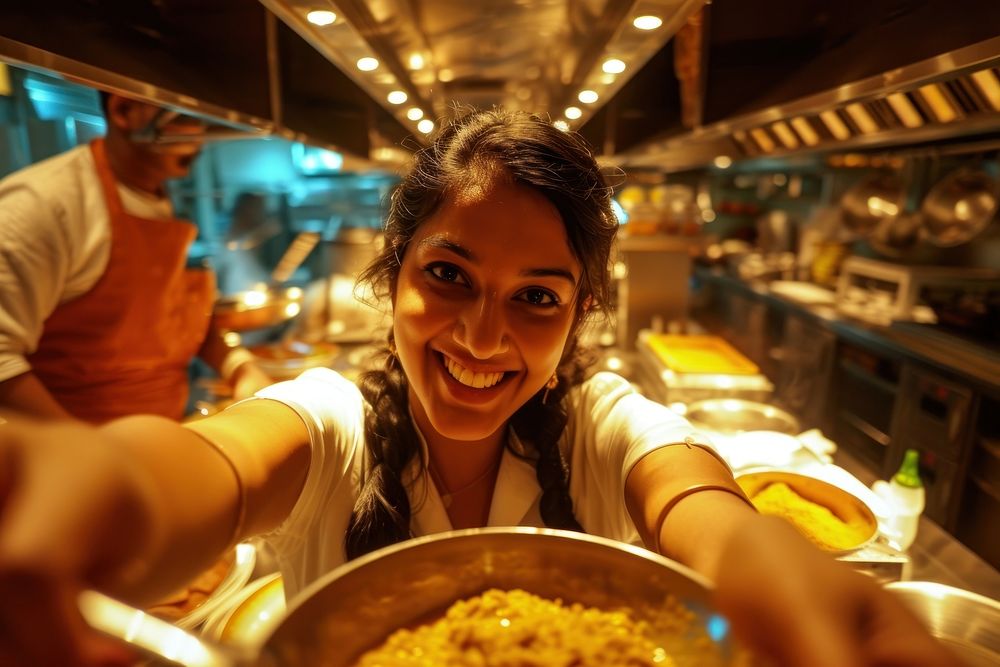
440, 241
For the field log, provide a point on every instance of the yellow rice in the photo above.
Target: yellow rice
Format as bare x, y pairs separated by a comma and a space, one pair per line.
825, 529
517, 629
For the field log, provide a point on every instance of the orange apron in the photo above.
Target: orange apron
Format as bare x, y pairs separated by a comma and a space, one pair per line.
124, 347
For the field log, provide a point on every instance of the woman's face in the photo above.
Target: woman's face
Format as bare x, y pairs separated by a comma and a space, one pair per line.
483, 306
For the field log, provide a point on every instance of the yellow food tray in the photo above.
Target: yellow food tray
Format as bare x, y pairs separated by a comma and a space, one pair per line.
700, 354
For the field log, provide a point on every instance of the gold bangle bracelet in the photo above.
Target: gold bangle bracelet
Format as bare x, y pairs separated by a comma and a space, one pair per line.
241, 489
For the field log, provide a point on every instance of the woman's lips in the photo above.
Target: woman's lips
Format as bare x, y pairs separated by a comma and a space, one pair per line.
462, 382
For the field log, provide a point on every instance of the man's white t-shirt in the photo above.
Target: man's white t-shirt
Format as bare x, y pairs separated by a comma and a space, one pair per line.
610, 428
55, 241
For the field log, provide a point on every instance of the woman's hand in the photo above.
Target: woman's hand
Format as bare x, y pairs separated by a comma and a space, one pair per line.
67, 516
802, 608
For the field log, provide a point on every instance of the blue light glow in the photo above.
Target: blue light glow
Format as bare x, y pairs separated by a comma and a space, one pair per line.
619, 212
717, 627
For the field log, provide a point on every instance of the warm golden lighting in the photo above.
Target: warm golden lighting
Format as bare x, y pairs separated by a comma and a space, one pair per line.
765, 142
613, 66
561, 125
904, 108
785, 134
321, 17
986, 81
836, 126
414, 113
397, 97
862, 118
426, 126
723, 162
416, 61
587, 96
805, 130
573, 112
936, 100
647, 22
367, 64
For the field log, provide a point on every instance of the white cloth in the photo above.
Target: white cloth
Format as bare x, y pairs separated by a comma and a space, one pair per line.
610, 428
55, 240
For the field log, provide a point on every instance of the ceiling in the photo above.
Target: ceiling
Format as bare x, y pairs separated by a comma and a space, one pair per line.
536, 55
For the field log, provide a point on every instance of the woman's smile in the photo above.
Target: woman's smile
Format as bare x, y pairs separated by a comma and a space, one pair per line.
473, 387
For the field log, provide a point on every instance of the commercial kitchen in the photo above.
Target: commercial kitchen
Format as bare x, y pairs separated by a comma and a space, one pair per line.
807, 262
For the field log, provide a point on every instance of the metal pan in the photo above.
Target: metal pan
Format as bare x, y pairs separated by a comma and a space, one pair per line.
960, 206
355, 607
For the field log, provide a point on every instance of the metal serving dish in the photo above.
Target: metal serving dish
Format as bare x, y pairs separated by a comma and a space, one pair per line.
355, 607
257, 308
733, 415
844, 505
967, 623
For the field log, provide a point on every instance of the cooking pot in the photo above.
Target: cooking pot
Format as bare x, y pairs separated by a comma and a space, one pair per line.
871, 200
263, 306
960, 206
356, 606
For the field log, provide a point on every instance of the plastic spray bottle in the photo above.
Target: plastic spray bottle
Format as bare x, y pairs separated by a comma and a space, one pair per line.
904, 494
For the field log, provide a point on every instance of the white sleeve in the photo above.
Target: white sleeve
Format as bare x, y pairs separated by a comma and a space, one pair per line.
35, 260
55, 241
611, 428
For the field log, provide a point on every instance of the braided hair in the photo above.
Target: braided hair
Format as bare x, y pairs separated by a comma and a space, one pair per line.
483, 145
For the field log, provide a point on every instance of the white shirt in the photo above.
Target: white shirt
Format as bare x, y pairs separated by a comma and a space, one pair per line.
55, 241
610, 428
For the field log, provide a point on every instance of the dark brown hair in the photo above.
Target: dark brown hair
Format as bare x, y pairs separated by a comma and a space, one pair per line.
525, 150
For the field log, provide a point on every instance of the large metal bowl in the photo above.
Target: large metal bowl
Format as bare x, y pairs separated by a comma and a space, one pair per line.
967, 623
357, 606
257, 308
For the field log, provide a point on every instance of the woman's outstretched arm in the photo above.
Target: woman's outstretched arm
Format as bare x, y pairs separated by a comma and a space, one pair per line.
134, 508
793, 603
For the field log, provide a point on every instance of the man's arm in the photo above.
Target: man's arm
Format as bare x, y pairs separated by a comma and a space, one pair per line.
234, 364
26, 395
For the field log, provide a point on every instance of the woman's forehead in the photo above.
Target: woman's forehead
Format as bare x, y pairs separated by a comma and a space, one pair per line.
501, 217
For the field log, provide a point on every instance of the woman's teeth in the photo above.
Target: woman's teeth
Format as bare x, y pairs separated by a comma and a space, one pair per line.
470, 379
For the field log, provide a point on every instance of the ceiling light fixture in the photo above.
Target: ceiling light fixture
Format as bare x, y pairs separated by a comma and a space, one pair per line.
647, 22
561, 125
587, 96
805, 131
904, 108
573, 113
613, 66
414, 113
396, 97
987, 82
938, 102
723, 162
367, 64
426, 126
785, 134
862, 118
836, 126
321, 17
416, 61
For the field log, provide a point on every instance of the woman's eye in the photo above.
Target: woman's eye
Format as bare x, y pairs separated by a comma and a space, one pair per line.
448, 273
539, 297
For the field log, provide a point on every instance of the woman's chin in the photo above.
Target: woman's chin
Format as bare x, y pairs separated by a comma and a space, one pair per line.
467, 427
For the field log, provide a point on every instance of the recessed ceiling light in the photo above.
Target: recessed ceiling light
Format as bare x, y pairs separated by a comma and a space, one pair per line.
445, 75
416, 61
414, 113
321, 17
426, 126
573, 113
613, 66
561, 125
587, 96
396, 97
367, 64
723, 162
647, 22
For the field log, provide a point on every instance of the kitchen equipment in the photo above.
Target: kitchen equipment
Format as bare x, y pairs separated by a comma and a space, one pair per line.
699, 354
295, 254
967, 623
871, 200
357, 605
880, 292
898, 235
257, 308
844, 505
960, 206
286, 359
731, 415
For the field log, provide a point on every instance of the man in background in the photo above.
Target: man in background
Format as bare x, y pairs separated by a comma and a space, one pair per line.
99, 316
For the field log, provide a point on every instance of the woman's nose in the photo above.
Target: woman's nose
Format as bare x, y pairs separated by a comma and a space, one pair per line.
482, 328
